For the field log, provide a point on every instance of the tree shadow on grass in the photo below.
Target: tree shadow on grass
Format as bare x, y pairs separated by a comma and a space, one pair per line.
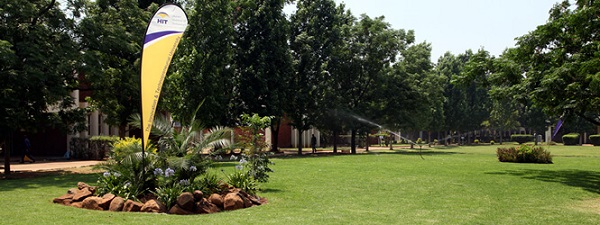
270, 190
424, 152
588, 180
41, 179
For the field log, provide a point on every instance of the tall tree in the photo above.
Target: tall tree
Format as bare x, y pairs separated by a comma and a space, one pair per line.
203, 68
37, 67
474, 79
415, 64
506, 92
450, 66
563, 62
370, 47
111, 36
330, 118
263, 59
315, 33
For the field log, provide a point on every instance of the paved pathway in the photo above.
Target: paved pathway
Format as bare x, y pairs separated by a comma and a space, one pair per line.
48, 165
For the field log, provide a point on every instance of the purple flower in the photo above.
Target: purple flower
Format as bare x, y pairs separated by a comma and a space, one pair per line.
158, 172
184, 182
169, 172
106, 174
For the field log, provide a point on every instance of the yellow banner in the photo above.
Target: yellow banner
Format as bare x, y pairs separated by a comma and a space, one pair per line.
162, 37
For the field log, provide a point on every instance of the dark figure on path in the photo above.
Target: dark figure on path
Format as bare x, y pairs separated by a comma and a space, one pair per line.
26, 156
313, 143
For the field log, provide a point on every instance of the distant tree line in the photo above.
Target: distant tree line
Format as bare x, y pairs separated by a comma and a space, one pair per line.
320, 67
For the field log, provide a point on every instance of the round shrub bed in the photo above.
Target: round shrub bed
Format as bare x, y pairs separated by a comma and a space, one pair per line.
571, 139
83, 196
595, 139
524, 154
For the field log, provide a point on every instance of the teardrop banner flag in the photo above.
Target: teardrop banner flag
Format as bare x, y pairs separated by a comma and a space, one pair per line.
162, 37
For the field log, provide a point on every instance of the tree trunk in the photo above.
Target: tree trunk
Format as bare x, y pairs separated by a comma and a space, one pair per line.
5, 147
429, 136
390, 139
367, 142
300, 141
334, 141
123, 130
501, 134
275, 136
353, 142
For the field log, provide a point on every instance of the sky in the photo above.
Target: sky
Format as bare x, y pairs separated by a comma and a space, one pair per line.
458, 25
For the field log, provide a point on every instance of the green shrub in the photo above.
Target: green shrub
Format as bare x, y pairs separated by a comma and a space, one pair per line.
524, 154
571, 139
242, 180
595, 139
80, 148
476, 141
209, 183
492, 142
101, 145
521, 138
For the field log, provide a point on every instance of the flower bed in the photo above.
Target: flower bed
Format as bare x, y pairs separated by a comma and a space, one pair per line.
83, 196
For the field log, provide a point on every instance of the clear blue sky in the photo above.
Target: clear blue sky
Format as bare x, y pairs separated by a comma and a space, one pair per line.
458, 25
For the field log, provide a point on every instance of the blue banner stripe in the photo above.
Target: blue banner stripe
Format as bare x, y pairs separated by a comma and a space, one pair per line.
157, 35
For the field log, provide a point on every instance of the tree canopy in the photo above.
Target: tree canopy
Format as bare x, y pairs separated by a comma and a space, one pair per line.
320, 67
562, 61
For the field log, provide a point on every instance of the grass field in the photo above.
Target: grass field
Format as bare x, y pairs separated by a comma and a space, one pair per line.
457, 185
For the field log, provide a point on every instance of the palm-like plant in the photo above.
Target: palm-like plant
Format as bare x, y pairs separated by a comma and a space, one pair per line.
183, 149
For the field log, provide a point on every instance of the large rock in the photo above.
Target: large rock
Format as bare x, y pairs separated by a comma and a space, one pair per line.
77, 204
198, 195
132, 206
216, 199
246, 200
65, 199
117, 204
179, 211
82, 185
204, 206
186, 201
106, 200
153, 206
233, 201
72, 190
255, 200
82, 194
92, 203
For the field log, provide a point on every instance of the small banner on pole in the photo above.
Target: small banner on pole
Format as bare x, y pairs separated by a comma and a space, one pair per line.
558, 125
162, 37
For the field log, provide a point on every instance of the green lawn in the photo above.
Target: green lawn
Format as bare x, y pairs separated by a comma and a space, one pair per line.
459, 185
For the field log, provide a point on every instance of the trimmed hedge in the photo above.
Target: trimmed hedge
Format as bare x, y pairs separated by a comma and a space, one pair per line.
595, 139
96, 147
524, 154
521, 138
570, 139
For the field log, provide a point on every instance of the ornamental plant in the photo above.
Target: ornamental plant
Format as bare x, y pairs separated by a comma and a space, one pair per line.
571, 139
169, 186
166, 171
125, 174
256, 161
524, 154
595, 139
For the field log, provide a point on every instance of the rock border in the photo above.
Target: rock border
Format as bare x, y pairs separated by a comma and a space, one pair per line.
187, 203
